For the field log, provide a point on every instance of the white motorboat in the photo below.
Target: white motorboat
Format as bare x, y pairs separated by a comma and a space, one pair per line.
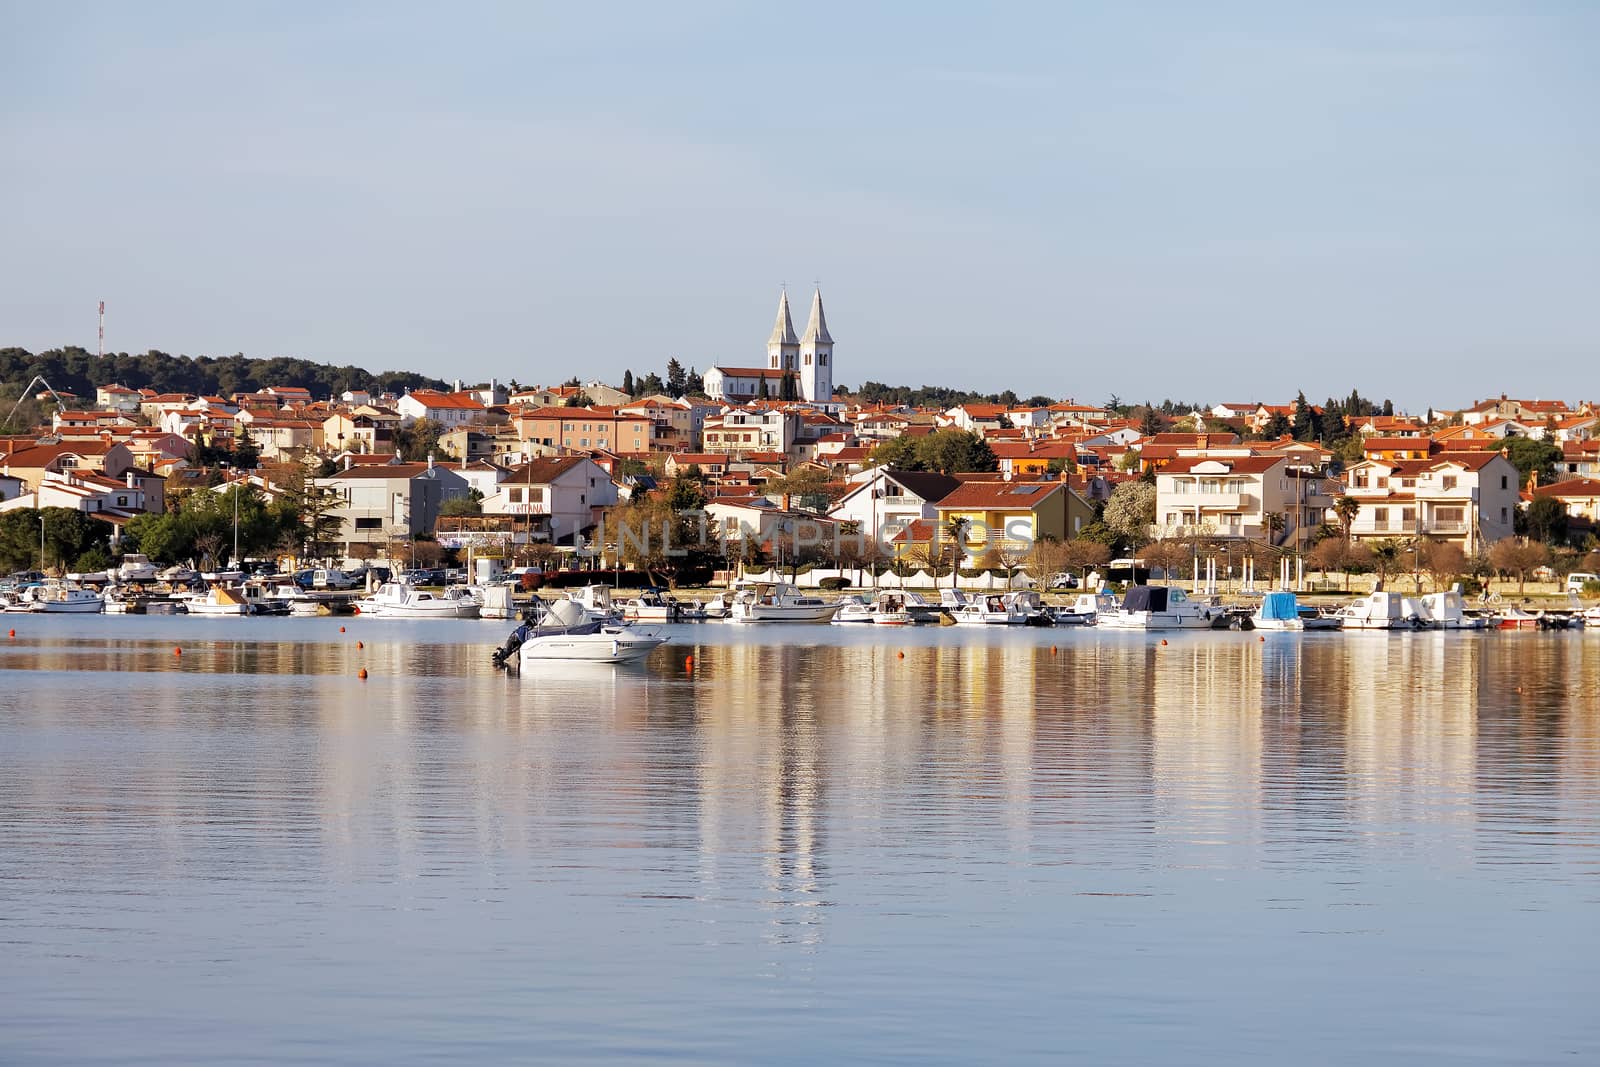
595, 600
1032, 606
1315, 618
853, 608
1380, 610
1160, 607
780, 602
990, 609
719, 606
57, 598
177, 575
136, 568
1086, 608
219, 600
566, 633
1278, 611
896, 607
296, 600
1448, 611
402, 600
651, 605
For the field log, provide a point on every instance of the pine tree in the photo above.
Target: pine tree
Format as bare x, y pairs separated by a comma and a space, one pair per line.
627, 383
786, 390
695, 383
676, 378
762, 392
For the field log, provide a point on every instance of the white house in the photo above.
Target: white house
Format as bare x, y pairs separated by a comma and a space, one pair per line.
885, 499
1467, 497
380, 501
560, 497
447, 409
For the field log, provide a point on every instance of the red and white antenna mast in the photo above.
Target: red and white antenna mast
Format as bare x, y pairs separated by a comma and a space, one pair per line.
102, 327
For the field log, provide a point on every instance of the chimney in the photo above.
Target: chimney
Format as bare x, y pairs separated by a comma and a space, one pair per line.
347, 461
430, 461
132, 482
457, 388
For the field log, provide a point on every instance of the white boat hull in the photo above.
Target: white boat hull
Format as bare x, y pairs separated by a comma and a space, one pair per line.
591, 648
1281, 625
70, 607
783, 613
1153, 620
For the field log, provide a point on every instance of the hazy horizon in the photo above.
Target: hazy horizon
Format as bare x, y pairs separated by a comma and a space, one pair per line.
1074, 200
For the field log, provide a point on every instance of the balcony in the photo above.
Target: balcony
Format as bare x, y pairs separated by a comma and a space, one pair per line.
1214, 501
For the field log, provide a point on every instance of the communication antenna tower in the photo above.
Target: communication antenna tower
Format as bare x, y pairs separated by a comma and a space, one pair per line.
102, 350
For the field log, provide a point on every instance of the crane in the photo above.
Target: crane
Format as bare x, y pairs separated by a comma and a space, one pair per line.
38, 379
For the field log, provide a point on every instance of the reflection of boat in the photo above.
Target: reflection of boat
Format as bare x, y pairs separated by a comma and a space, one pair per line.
1448, 611
1278, 611
565, 633
1160, 607
780, 602
1380, 610
401, 600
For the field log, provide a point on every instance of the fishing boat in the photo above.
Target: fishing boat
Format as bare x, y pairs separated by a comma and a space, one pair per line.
1278, 611
1086, 608
853, 608
1448, 611
780, 602
1161, 607
219, 600
402, 600
651, 605
565, 632
1379, 610
62, 598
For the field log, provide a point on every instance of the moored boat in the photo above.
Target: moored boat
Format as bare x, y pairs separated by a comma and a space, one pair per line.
566, 633
780, 602
1278, 611
401, 600
1379, 610
1161, 607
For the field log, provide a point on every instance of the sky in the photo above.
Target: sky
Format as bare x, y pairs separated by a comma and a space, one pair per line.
1204, 202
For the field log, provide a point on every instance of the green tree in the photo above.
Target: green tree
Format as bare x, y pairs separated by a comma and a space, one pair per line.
1532, 457
1346, 508
246, 455
627, 383
471, 504
1547, 520
677, 378
19, 539
762, 392
415, 443
953, 451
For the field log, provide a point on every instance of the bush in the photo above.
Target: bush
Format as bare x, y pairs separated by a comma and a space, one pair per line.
834, 584
1471, 586
1591, 588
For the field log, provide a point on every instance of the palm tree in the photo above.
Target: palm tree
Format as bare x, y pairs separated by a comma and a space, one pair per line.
1347, 508
957, 532
1385, 555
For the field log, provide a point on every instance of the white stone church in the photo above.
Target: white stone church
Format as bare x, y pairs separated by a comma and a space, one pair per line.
808, 359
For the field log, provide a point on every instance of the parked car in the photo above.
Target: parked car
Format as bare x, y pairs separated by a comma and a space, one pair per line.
331, 578
1063, 581
1576, 579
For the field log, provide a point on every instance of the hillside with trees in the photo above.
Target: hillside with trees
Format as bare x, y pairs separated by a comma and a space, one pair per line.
79, 371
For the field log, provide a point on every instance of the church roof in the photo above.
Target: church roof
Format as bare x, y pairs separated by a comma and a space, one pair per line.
817, 328
783, 329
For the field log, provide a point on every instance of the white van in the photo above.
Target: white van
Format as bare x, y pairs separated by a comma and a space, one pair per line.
1576, 579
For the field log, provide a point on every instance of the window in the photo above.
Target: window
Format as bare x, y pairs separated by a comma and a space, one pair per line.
369, 524
1449, 481
1408, 515
1360, 480
808, 359
122, 501
1408, 483
1380, 516
1502, 510
822, 359
1503, 486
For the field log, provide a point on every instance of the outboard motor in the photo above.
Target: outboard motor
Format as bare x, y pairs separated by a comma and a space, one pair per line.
514, 642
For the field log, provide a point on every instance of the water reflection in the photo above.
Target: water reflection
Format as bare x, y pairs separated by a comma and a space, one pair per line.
787, 816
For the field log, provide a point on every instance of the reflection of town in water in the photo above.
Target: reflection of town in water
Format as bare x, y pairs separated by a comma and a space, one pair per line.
743, 779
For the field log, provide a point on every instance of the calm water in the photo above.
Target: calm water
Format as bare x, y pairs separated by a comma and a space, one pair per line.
1304, 849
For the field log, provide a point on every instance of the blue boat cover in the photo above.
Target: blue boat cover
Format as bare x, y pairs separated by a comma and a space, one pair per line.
1279, 606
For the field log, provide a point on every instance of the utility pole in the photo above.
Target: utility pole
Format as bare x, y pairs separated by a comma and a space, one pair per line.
102, 347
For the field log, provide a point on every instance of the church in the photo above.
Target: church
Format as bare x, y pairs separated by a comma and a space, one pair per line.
806, 360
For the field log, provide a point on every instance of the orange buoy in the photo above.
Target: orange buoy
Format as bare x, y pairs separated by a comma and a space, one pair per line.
360, 645
341, 629
1263, 637
1163, 640
177, 651
1052, 650
900, 655
11, 633
362, 674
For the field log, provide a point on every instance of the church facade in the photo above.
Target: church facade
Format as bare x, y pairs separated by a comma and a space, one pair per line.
805, 361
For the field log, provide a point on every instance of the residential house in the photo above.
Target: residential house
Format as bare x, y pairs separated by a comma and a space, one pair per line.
31, 464
449, 410
1227, 495
753, 429
1467, 497
361, 429
380, 502
1582, 498
584, 428
117, 398
1013, 515
560, 498
887, 500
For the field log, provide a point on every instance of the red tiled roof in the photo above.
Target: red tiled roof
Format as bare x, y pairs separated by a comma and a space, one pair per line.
1234, 464
998, 496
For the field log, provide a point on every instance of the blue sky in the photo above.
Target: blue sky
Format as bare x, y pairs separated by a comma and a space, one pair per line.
1221, 201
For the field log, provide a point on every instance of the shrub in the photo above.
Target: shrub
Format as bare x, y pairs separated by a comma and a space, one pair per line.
1591, 588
